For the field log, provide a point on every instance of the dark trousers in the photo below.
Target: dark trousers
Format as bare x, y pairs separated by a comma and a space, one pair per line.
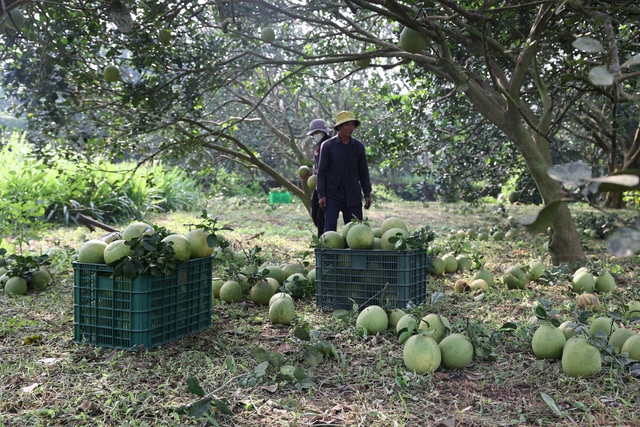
332, 212
317, 214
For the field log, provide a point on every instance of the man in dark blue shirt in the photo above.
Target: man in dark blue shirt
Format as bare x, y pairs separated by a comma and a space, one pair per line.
343, 174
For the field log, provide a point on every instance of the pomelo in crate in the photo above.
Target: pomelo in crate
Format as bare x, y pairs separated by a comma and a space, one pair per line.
181, 246
392, 222
360, 236
333, 240
115, 251
92, 251
389, 238
135, 230
198, 242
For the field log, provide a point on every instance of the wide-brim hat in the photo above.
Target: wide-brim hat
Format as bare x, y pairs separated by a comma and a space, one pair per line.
344, 117
318, 124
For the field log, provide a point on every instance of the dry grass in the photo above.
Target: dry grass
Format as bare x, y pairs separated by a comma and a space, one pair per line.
47, 382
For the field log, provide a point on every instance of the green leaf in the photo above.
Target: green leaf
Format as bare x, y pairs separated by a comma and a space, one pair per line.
625, 181
541, 313
288, 371
574, 173
635, 59
539, 222
551, 403
624, 242
301, 333
509, 326
312, 356
261, 369
196, 409
601, 76
193, 385
341, 314
260, 354
588, 44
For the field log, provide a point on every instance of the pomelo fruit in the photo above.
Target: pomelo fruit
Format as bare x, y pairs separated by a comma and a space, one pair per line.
216, 284
385, 242
135, 230
394, 316
377, 243
482, 236
479, 284
605, 283
111, 73
583, 282
274, 272
275, 285
92, 251
412, 41
261, 292
16, 286
588, 302
602, 324
312, 182
377, 232
164, 36
360, 236
15, 20
464, 262
421, 354
231, 291
268, 34
456, 351
304, 171
510, 235
282, 311
333, 240
198, 243
580, 359
292, 268
311, 276
483, 274
515, 277
436, 323
633, 309
619, 337
631, 346
344, 231
363, 62
115, 251
110, 237
548, 342
514, 196
392, 222
181, 246
568, 328
296, 284
497, 236
450, 263
461, 286
536, 269
278, 295
372, 319
39, 279
408, 322
243, 280
438, 266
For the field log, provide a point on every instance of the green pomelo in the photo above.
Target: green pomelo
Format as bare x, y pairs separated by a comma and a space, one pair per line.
312, 182
580, 359
261, 292
482, 236
243, 280
394, 316
275, 272
510, 235
377, 243
619, 337
450, 263
605, 283
275, 285
421, 354
111, 73
181, 246
198, 243
479, 284
377, 232
602, 324
583, 282
164, 36
216, 284
282, 311
279, 295
438, 266
412, 41
464, 262
631, 346
363, 62
385, 242
15, 20
515, 277
344, 231
568, 329
514, 196
296, 284
536, 269
582, 270
372, 319
3, 279
16, 286
231, 291
333, 240
115, 251
471, 233
135, 230
548, 342
633, 309
248, 269
92, 252
497, 236
111, 237
39, 279
408, 322
304, 171
360, 236
456, 351
311, 276
436, 323
392, 222
268, 34
483, 274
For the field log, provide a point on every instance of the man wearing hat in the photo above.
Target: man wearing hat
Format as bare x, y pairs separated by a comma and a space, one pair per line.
343, 174
320, 133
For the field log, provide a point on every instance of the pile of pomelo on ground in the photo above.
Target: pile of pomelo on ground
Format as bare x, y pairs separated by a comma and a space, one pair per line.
37, 279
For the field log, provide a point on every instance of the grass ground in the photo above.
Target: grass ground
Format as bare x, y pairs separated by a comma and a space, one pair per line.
46, 379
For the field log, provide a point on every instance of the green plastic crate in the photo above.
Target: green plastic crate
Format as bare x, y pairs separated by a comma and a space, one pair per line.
146, 311
347, 276
282, 197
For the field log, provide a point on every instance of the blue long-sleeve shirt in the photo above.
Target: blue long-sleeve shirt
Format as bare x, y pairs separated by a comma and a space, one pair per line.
343, 171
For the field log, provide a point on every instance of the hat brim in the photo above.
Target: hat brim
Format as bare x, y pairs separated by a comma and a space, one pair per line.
325, 130
357, 122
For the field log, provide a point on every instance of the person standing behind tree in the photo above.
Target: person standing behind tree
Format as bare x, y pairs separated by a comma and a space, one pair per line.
343, 174
320, 133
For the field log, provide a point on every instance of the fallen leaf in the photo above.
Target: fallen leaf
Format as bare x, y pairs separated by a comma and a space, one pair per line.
442, 376
271, 388
87, 406
284, 348
30, 388
474, 376
449, 422
50, 360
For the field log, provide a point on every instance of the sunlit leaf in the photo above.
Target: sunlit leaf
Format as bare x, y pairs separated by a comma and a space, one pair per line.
588, 44
601, 76
574, 173
635, 59
538, 223
624, 242
551, 403
621, 182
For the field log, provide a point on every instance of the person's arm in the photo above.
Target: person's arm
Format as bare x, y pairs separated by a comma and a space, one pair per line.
321, 178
